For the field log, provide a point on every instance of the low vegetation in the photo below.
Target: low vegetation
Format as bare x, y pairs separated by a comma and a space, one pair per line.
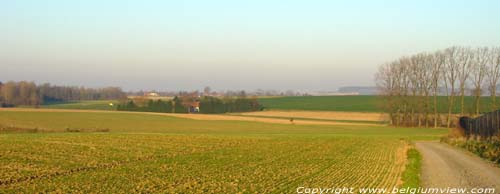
156, 153
194, 164
411, 175
485, 148
56, 121
479, 135
14, 129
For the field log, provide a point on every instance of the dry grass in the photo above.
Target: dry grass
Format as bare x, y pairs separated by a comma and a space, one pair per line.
265, 120
350, 116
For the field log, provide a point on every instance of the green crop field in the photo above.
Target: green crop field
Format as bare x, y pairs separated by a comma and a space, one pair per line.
310, 103
83, 105
354, 103
156, 153
324, 103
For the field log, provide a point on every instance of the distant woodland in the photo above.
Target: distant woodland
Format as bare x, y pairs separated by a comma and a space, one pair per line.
182, 104
31, 94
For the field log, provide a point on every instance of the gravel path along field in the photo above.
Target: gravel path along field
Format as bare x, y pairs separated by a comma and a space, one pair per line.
446, 166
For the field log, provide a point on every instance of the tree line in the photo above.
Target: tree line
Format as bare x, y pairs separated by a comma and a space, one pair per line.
28, 93
212, 105
411, 85
180, 104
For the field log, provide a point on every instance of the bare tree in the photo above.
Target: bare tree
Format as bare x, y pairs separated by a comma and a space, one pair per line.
426, 76
414, 81
405, 82
450, 74
478, 75
493, 74
207, 91
385, 82
464, 58
437, 61
409, 83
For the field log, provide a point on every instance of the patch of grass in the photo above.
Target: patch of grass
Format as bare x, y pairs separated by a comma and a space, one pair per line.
411, 175
83, 105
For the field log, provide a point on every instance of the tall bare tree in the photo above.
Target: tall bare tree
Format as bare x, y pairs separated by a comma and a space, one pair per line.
493, 74
413, 72
386, 87
412, 85
478, 74
464, 58
437, 61
426, 76
450, 74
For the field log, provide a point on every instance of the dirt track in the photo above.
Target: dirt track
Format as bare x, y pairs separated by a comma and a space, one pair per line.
201, 117
445, 166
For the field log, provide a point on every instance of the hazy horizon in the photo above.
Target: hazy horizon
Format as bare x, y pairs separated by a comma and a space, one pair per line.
186, 45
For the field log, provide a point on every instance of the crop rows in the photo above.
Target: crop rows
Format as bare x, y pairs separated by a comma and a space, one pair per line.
194, 163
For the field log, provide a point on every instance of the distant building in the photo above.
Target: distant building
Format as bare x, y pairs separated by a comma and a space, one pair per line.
191, 101
151, 94
193, 107
325, 93
361, 90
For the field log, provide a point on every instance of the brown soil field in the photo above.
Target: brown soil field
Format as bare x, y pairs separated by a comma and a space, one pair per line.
352, 116
257, 119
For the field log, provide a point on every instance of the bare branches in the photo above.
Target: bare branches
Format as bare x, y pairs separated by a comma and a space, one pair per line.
412, 85
493, 74
478, 75
464, 59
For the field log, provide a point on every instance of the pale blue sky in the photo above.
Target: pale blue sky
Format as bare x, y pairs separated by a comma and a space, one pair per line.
229, 44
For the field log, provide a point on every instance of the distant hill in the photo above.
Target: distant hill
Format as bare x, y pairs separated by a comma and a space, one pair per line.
361, 90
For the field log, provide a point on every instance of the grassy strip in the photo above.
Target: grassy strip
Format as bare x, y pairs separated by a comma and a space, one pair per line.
82, 105
411, 175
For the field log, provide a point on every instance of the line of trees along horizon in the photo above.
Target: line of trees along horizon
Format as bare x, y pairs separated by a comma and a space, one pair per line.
28, 93
180, 104
410, 85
